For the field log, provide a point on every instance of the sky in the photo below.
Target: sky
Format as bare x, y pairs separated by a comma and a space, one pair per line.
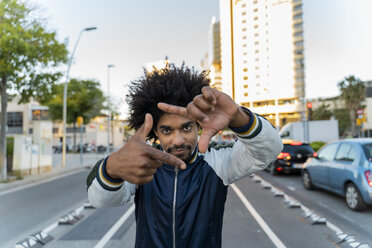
130, 34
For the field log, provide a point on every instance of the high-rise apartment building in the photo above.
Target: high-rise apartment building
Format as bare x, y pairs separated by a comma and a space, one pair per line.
212, 60
262, 56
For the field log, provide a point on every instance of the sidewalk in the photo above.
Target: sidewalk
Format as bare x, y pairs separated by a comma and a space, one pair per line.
72, 164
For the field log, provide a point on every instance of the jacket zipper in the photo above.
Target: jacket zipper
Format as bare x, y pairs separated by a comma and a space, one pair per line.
174, 207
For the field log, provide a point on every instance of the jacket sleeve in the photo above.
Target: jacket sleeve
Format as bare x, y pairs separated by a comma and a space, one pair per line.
104, 191
258, 144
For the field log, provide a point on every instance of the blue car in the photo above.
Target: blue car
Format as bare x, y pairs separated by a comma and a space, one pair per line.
345, 168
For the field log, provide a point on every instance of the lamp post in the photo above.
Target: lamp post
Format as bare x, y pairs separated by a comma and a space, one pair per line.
109, 107
65, 96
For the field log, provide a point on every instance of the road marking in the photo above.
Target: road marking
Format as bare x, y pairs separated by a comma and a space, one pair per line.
106, 238
291, 188
40, 182
276, 241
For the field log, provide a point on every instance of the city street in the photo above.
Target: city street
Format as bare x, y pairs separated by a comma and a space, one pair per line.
254, 216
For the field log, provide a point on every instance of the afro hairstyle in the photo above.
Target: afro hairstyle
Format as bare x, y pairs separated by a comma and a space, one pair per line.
172, 85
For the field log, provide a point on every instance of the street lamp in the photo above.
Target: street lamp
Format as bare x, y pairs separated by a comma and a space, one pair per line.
109, 107
65, 96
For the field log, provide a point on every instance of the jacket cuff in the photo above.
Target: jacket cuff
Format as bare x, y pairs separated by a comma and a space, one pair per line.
251, 129
105, 181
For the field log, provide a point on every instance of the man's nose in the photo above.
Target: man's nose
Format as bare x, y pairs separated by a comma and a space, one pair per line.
178, 139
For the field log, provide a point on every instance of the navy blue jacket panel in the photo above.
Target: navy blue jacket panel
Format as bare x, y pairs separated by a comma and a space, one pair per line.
199, 206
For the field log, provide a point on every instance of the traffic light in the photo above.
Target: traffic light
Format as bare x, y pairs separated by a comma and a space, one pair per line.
309, 106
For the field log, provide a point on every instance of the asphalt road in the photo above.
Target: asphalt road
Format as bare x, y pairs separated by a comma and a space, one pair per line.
266, 222
26, 211
330, 206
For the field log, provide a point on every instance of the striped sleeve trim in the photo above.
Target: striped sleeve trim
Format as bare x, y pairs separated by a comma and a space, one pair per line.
105, 181
251, 129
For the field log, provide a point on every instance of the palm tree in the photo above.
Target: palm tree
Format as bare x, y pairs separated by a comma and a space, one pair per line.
353, 94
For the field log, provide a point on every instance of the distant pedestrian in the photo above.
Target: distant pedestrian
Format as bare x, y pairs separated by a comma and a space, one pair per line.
180, 187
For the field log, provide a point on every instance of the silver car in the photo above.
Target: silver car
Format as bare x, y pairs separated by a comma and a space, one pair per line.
345, 168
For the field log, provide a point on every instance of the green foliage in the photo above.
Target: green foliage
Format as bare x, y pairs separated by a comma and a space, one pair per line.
344, 123
9, 146
84, 98
321, 113
29, 53
353, 94
316, 145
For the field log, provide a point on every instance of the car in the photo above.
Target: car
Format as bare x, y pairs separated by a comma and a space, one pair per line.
292, 157
343, 167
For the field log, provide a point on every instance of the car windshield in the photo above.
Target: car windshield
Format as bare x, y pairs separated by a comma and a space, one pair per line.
367, 148
297, 148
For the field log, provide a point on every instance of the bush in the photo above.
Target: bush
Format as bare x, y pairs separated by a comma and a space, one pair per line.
9, 146
316, 145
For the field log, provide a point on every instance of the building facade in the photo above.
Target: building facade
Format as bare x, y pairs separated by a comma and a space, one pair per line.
262, 60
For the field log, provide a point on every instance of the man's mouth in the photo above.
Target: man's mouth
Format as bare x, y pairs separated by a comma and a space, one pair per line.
179, 150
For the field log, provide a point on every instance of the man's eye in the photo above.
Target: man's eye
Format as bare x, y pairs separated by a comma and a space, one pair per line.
187, 128
166, 131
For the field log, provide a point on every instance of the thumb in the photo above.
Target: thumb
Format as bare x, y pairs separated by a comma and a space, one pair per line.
146, 127
204, 140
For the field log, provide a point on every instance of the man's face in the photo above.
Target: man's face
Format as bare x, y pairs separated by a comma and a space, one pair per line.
177, 135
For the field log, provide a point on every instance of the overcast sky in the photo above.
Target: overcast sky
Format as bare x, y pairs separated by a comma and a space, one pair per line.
338, 38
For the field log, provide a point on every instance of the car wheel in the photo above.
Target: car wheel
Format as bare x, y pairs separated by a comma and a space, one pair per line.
353, 198
273, 170
306, 181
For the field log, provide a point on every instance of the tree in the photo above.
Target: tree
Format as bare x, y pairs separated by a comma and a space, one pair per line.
85, 99
321, 113
344, 122
29, 55
353, 94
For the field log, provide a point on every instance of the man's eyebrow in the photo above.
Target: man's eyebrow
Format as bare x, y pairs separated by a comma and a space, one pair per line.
164, 127
189, 123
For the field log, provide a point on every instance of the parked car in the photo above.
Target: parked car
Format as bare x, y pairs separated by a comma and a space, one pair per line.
292, 157
343, 167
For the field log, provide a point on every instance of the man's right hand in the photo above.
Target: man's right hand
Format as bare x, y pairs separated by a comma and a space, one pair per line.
136, 162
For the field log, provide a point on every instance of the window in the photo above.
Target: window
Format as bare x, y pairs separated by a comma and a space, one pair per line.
15, 119
244, 21
245, 69
245, 78
328, 152
244, 29
255, 18
255, 10
298, 16
245, 94
245, 86
346, 153
255, 26
298, 26
244, 13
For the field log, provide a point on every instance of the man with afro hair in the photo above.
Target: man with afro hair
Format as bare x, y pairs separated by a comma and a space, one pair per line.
179, 188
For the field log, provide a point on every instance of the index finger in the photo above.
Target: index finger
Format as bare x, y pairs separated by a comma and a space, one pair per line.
166, 158
208, 94
172, 109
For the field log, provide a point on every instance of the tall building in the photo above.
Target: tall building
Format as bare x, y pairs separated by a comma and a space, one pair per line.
212, 60
262, 56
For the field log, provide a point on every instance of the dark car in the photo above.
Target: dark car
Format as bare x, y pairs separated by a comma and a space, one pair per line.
292, 157
343, 167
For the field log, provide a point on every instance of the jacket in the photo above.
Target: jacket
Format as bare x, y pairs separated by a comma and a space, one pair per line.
184, 208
